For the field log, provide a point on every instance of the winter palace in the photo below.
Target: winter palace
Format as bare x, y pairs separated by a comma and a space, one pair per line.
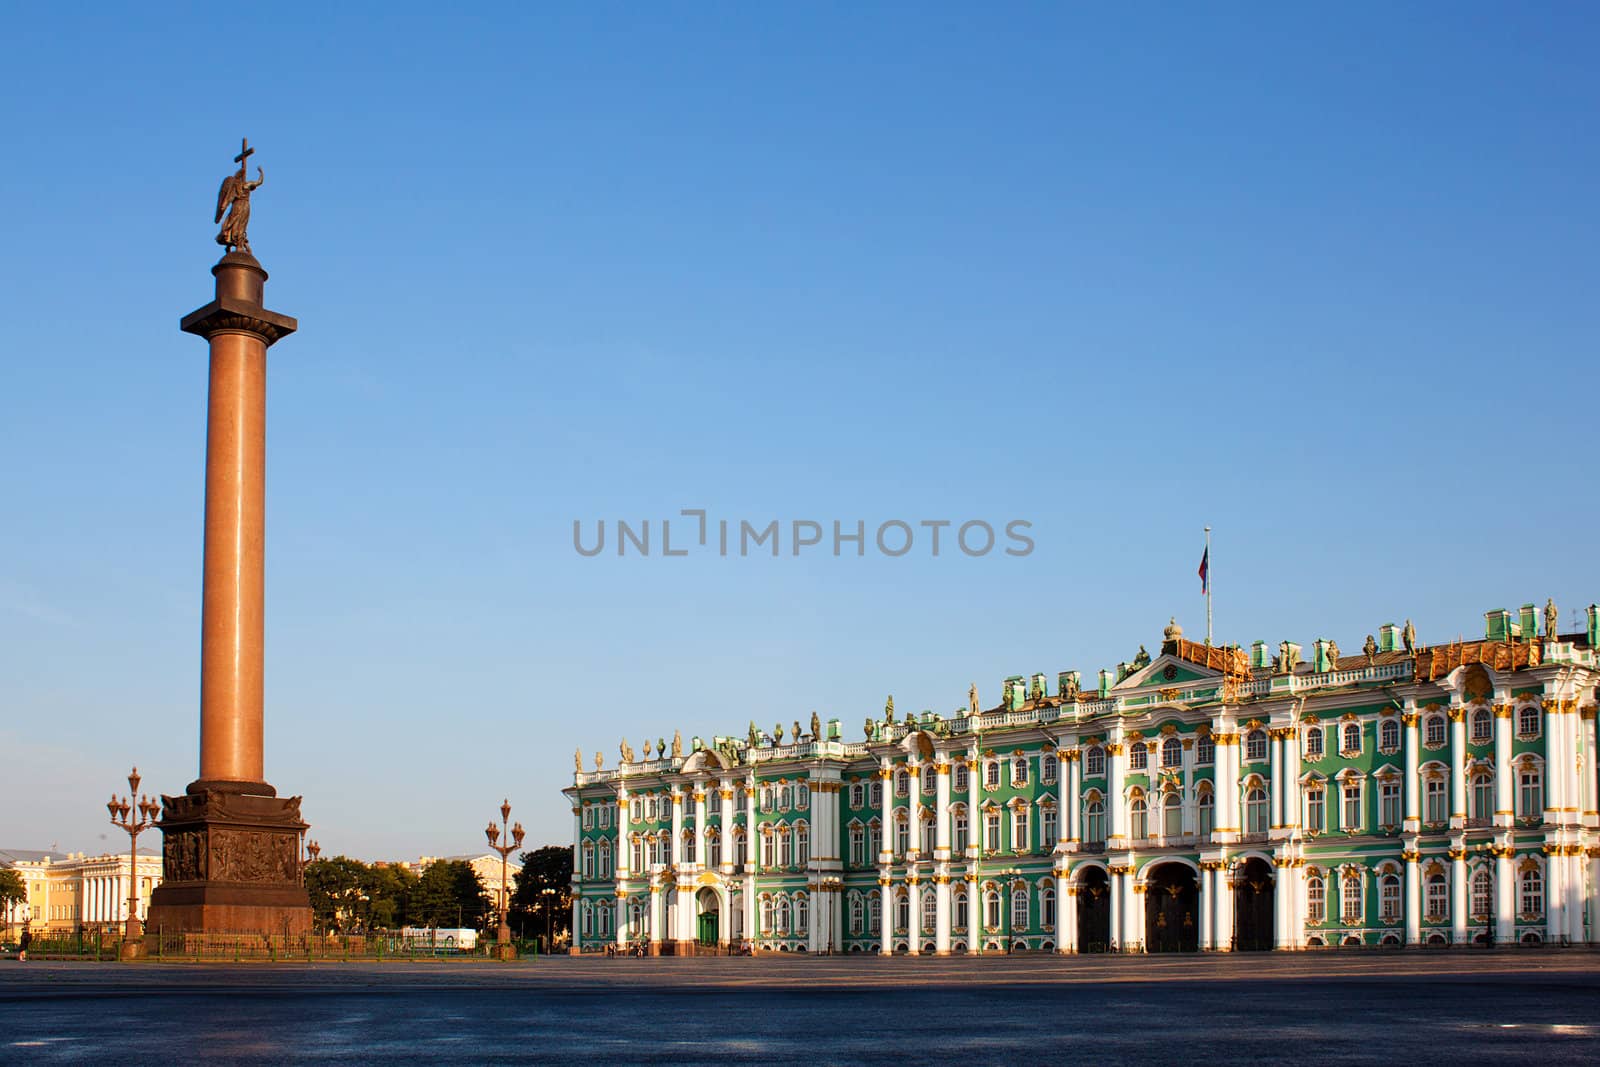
1208, 798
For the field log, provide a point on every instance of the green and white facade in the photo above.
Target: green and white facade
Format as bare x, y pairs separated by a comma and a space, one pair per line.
1212, 798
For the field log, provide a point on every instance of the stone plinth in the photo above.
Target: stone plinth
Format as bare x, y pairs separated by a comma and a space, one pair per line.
231, 863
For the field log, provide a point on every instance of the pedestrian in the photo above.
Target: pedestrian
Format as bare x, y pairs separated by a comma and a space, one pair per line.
22, 945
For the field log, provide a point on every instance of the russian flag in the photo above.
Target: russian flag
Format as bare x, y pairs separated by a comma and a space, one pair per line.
1205, 571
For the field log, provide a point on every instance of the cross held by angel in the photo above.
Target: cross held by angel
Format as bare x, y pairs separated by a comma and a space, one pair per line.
234, 198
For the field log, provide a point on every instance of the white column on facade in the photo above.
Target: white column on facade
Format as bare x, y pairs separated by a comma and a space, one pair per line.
1116, 908
724, 912
725, 795
1072, 797
974, 814
1594, 894
974, 916
1577, 903
1222, 912
700, 824
677, 827
577, 838
1133, 915
1554, 892
886, 913
1291, 795
941, 921
752, 917
1591, 787
1459, 903
1505, 897
1275, 749
752, 841
624, 855
1413, 895
914, 810
1504, 777
1116, 809
1191, 807
1458, 767
577, 930
1066, 912
620, 925
914, 914
1554, 758
941, 844
1281, 894
886, 776
655, 917
1413, 823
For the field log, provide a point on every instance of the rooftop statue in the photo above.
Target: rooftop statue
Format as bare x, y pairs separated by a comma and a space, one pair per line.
777, 732
1371, 649
234, 198
816, 727
888, 709
972, 699
599, 760
577, 759
796, 734
1408, 636
677, 743
1142, 660
627, 751
1333, 654
1551, 619
753, 740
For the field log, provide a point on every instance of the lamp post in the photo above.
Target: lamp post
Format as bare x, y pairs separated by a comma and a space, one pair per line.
547, 892
133, 813
513, 842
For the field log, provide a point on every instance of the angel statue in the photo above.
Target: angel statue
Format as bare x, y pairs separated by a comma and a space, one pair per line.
234, 198
577, 759
627, 751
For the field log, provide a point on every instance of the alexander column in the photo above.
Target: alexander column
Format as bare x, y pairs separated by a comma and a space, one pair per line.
231, 845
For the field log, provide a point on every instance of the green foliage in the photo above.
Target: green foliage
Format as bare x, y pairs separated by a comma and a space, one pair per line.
549, 867
348, 896
12, 891
449, 893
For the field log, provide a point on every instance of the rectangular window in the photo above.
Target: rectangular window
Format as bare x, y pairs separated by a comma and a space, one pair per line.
1047, 828
1019, 829
1316, 809
1389, 797
1434, 801
1136, 757
991, 830
1205, 751
1352, 806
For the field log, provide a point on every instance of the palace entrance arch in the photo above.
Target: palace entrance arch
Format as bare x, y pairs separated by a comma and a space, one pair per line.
707, 917
1253, 897
1171, 909
1094, 909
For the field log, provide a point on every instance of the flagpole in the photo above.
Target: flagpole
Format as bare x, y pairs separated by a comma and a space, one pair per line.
1208, 585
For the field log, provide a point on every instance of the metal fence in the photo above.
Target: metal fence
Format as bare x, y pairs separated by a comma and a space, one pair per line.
160, 945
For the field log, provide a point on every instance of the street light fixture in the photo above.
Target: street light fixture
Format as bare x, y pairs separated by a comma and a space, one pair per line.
513, 842
133, 813
547, 892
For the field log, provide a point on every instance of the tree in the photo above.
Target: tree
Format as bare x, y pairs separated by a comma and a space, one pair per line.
549, 867
448, 893
337, 887
12, 889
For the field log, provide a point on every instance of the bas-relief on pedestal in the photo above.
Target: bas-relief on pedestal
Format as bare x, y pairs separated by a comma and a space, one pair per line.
231, 848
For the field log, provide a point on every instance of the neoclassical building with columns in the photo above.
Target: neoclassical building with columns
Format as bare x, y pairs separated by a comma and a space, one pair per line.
1209, 798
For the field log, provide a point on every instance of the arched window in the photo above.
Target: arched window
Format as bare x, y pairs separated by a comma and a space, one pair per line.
1019, 770
1172, 815
1019, 828
1434, 799
1482, 903
902, 833
991, 908
768, 850
930, 910
1255, 811
1047, 906
1389, 896
1094, 762
902, 911
1048, 830
930, 830
858, 795
1171, 752
802, 796
1316, 900
1352, 737
1207, 806
857, 915
959, 828
802, 843
588, 859
1094, 821
1350, 898
858, 845
586, 918
783, 914
1019, 909
874, 840
1528, 721
1433, 731
991, 829
902, 782
714, 847
1532, 893
1438, 906
741, 852
1138, 817
1205, 750
766, 798
1136, 756
1255, 746
1389, 735
605, 859
1049, 768
929, 777
638, 853
1482, 797
1313, 742
802, 913
991, 774
688, 846
959, 902
1482, 726
962, 776
874, 911
1530, 793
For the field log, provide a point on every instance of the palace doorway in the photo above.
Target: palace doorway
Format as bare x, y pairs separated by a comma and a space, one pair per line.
707, 917
1094, 909
1253, 892
1171, 909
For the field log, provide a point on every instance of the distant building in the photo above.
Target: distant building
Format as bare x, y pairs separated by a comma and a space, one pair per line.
1213, 798
66, 890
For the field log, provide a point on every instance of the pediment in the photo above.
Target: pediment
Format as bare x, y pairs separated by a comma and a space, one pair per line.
1165, 671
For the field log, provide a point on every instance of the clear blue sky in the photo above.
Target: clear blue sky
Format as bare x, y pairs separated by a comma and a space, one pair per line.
1324, 279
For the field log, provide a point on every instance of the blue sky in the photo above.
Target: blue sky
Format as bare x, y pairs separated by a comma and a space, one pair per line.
1322, 279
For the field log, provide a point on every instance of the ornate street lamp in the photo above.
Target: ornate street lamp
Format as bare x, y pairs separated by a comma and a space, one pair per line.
133, 813
547, 892
513, 842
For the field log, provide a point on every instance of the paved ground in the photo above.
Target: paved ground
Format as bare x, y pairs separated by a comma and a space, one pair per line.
1325, 1008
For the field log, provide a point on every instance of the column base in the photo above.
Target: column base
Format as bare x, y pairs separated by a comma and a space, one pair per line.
132, 950
230, 865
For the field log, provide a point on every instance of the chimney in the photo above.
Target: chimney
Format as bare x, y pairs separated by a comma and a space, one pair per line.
1497, 625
